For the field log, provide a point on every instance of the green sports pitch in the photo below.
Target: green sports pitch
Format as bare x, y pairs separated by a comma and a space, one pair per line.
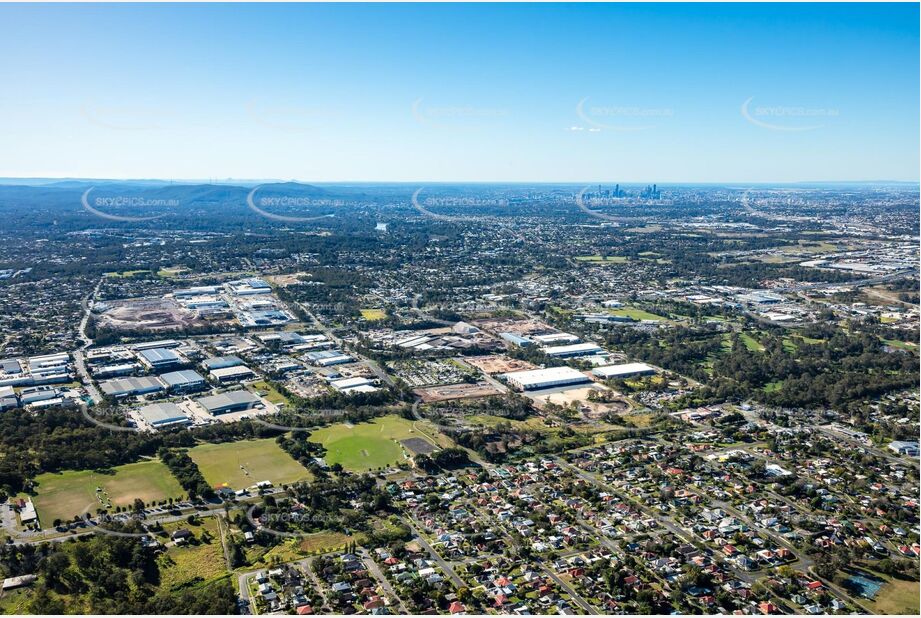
65, 495
371, 445
239, 465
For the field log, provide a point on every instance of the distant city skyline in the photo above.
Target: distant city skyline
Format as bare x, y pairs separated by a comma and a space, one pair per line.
636, 93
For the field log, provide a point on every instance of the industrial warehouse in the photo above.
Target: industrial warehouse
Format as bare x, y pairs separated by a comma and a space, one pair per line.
161, 415
552, 377
626, 370
234, 401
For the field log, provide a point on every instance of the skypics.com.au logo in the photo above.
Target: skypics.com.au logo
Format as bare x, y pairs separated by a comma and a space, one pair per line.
288, 201
624, 118
424, 206
124, 202
790, 118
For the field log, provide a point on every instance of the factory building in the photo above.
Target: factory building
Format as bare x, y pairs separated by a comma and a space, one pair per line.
328, 358
37, 393
552, 377
161, 415
555, 339
296, 341
234, 401
185, 381
114, 371
126, 387
248, 287
626, 370
206, 302
203, 290
150, 345
221, 362
232, 374
160, 359
576, 349
514, 339
8, 398
353, 385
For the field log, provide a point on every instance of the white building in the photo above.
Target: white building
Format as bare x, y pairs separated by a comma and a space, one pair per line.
551, 377
576, 349
626, 370
555, 338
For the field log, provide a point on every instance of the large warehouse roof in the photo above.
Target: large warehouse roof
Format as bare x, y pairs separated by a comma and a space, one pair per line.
124, 386
161, 414
233, 399
576, 349
218, 362
546, 378
182, 378
159, 355
625, 370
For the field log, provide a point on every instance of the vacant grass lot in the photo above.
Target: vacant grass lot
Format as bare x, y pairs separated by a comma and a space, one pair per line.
598, 259
125, 274
270, 393
367, 446
635, 314
66, 494
373, 315
751, 343
245, 463
896, 597
198, 562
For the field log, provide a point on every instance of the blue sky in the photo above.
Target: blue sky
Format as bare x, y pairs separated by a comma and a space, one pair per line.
325, 93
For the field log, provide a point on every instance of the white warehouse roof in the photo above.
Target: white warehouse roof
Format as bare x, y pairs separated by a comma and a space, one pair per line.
545, 378
625, 370
576, 349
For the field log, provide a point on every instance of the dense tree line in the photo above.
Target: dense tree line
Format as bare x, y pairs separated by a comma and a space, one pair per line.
187, 473
106, 574
58, 439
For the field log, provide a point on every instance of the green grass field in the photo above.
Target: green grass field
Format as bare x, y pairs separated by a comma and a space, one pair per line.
373, 315
125, 274
173, 271
195, 563
245, 463
64, 495
905, 345
597, 259
897, 596
366, 446
751, 343
270, 393
636, 314
536, 423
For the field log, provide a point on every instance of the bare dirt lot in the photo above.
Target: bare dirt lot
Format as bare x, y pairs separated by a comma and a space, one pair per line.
492, 365
591, 410
456, 391
153, 314
509, 325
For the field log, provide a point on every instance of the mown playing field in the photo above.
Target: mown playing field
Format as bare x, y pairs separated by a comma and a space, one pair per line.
635, 314
371, 445
64, 495
245, 463
373, 315
606, 259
